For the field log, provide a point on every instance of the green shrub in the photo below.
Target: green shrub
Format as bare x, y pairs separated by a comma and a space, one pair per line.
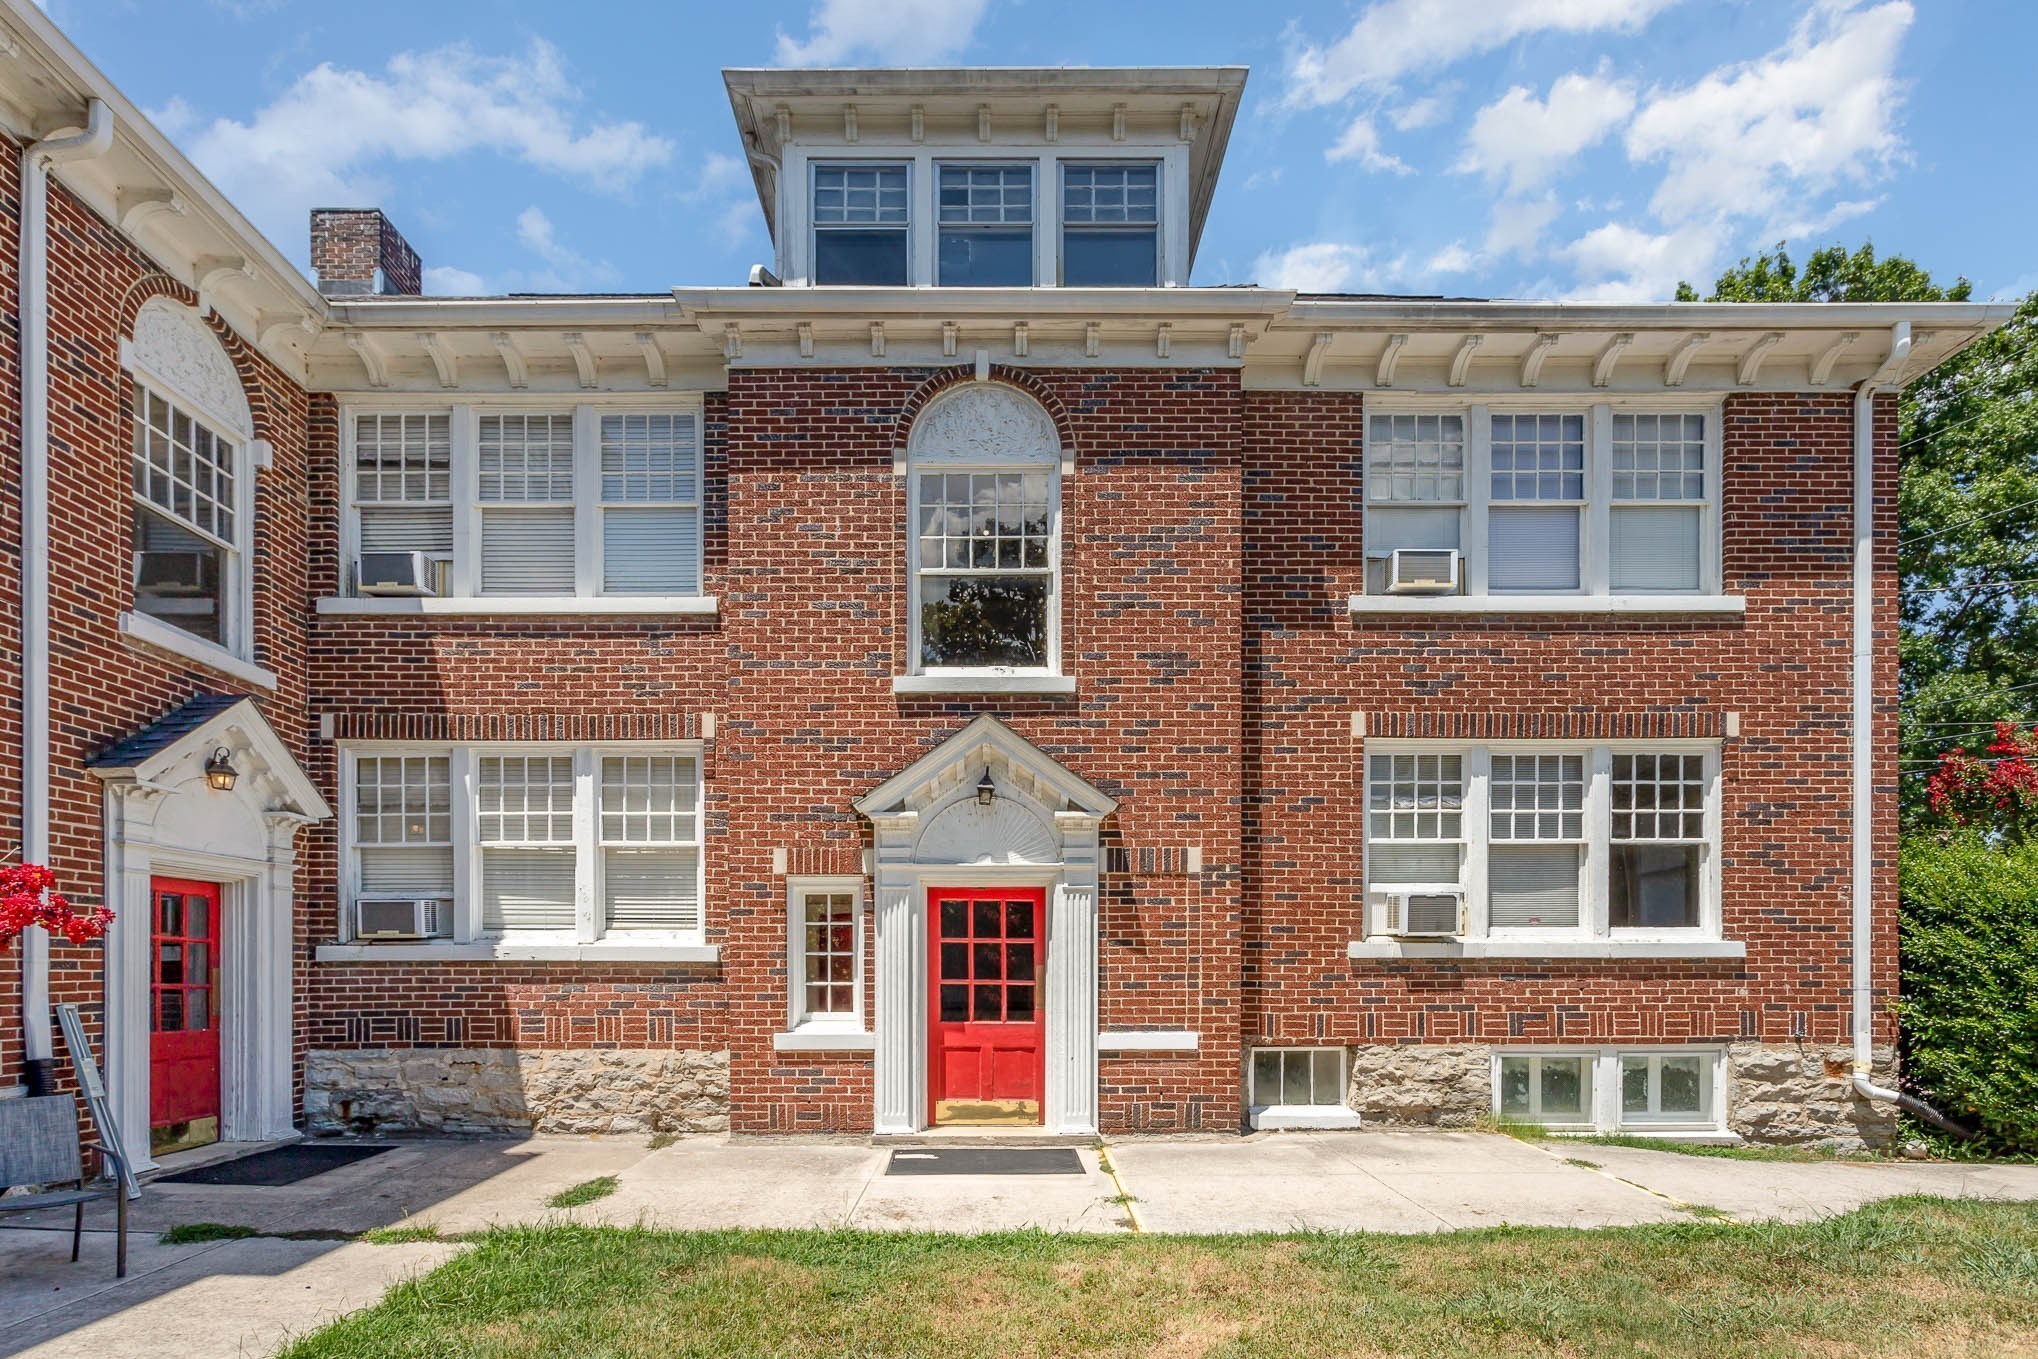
1970, 983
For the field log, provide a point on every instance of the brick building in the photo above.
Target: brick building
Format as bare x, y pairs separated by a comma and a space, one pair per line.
968, 675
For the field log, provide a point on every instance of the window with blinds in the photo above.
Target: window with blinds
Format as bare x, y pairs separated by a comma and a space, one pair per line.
1538, 499
524, 465
1537, 827
1415, 819
403, 826
1656, 524
651, 504
650, 843
403, 486
524, 819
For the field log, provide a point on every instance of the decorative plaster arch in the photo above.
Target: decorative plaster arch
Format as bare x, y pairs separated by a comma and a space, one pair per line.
173, 345
985, 423
1041, 828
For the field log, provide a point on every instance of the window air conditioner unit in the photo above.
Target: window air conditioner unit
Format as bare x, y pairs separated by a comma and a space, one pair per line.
396, 573
1426, 915
402, 918
1423, 571
174, 573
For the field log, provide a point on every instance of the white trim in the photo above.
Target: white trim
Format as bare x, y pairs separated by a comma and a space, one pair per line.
1515, 946
143, 630
824, 1040
1148, 1040
1571, 604
530, 606
1605, 1115
1304, 1118
955, 682
497, 951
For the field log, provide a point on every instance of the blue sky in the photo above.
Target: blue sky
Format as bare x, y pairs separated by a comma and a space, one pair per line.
1518, 148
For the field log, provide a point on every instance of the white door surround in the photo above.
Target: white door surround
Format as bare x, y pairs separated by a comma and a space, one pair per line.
1040, 829
163, 819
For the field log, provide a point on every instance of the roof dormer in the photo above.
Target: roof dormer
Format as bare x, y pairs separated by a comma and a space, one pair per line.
990, 178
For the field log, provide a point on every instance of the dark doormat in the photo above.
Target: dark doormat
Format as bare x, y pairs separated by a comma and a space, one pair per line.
278, 1165
986, 1161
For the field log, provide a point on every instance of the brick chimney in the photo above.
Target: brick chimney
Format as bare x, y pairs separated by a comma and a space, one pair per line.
356, 251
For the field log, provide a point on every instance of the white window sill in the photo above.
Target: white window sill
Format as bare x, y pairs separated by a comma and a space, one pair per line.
1302, 1117
1487, 605
1614, 949
983, 684
527, 606
1148, 1040
511, 951
824, 1040
143, 630
1701, 1137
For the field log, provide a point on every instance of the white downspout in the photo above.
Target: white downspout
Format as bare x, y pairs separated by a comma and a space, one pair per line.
1863, 875
36, 163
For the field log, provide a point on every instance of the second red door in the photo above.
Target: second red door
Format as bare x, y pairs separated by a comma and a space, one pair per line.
987, 1055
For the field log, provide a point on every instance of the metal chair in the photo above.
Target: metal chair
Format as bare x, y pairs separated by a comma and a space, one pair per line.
39, 1145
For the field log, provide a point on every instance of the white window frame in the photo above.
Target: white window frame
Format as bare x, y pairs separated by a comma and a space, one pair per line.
236, 577
1593, 910
938, 227
463, 577
914, 228
1595, 531
796, 234
798, 1018
1162, 179
588, 846
1590, 1064
1258, 1110
1604, 1113
918, 465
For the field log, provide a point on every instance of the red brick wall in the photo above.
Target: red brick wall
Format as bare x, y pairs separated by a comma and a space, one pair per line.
1784, 668
102, 686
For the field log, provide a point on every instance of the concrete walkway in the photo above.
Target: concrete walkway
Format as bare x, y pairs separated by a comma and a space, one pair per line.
247, 1297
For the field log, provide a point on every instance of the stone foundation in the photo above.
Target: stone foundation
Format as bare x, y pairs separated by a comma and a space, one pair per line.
1785, 1093
499, 1089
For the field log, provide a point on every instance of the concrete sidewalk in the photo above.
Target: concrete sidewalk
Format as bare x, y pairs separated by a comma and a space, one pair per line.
245, 1297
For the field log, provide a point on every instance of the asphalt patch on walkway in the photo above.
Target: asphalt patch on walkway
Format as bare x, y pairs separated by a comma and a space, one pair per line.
278, 1165
986, 1161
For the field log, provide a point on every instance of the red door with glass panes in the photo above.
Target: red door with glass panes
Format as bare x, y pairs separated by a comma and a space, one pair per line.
184, 1006
988, 1059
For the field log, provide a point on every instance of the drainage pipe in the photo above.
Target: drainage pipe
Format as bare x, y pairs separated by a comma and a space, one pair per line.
33, 270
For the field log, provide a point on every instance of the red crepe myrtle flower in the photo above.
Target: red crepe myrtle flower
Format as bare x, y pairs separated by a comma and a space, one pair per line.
29, 896
1998, 787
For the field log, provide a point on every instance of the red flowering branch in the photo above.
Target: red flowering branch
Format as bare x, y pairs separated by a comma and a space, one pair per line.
29, 896
1997, 789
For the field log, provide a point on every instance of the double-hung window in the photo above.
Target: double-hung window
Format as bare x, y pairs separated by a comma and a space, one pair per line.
986, 216
554, 843
984, 567
1548, 842
825, 953
188, 563
529, 504
861, 224
1579, 501
1110, 224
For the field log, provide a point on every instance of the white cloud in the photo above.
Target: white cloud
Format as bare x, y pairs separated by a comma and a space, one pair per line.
1452, 259
1623, 263
1392, 38
1525, 141
1750, 139
314, 145
1517, 226
567, 270
1317, 267
443, 280
1361, 142
1427, 111
894, 32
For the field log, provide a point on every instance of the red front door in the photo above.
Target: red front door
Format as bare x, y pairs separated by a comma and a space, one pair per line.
184, 1013
987, 1056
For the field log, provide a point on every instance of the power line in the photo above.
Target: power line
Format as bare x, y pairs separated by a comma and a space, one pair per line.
1971, 585
1957, 424
1975, 698
1992, 514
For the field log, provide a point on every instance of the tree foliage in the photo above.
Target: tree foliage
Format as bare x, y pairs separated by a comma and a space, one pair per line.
1967, 506
1995, 792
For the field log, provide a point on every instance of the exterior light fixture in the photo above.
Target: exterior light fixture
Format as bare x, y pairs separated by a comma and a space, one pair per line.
987, 792
219, 770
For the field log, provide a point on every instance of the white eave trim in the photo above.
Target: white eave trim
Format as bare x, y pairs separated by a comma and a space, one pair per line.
142, 630
1461, 605
983, 684
604, 951
1148, 1040
1612, 950
528, 606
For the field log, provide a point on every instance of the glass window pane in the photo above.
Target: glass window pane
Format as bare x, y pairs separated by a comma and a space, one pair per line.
1098, 258
984, 620
1683, 1086
1019, 1004
1327, 1080
1266, 1076
954, 1004
1563, 1087
1653, 886
974, 257
1514, 1087
1634, 1085
1295, 1078
874, 257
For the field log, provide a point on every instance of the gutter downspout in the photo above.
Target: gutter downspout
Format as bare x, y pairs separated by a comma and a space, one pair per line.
37, 161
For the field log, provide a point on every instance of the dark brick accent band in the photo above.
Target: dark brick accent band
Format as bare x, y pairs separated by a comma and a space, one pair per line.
1701, 723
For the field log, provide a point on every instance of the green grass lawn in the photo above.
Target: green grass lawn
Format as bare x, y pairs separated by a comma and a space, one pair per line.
1907, 1277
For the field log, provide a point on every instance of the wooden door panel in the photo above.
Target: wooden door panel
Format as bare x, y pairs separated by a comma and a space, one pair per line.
184, 974
986, 1049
